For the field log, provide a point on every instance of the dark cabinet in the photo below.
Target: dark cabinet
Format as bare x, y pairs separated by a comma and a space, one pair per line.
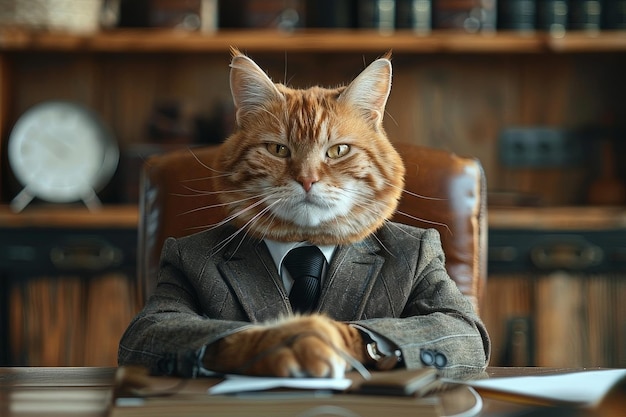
67, 293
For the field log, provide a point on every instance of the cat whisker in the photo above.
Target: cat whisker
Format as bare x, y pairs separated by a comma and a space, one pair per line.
221, 245
285, 80
432, 222
392, 227
206, 178
201, 193
270, 220
212, 206
358, 193
214, 225
285, 73
389, 224
383, 245
243, 228
253, 220
395, 122
412, 194
228, 218
203, 164
364, 203
230, 239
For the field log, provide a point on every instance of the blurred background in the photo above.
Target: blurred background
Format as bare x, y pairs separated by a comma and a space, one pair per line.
534, 89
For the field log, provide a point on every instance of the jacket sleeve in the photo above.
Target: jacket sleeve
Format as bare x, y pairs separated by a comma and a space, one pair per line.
169, 335
438, 325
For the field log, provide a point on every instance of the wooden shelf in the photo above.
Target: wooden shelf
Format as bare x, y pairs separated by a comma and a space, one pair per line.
557, 218
331, 41
613, 41
127, 216
61, 216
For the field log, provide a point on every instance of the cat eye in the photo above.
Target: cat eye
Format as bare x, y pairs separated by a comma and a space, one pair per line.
337, 151
278, 150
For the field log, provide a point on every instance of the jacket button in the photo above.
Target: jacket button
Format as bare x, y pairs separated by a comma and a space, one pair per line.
427, 357
440, 360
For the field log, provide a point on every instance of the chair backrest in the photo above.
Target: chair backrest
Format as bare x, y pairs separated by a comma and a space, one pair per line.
455, 203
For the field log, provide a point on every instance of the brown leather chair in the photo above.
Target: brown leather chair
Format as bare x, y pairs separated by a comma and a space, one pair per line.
171, 204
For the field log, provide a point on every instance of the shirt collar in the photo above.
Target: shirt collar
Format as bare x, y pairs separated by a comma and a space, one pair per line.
279, 250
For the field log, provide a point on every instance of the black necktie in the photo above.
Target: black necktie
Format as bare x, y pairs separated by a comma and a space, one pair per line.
305, 266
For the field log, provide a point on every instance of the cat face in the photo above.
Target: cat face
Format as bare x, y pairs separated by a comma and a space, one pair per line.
311, 164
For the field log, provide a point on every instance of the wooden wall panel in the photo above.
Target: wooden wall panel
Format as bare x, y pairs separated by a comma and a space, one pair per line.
560, 321
508, 299
109, 307
575, 320
45, 320
135, 85
69, 320
39, 77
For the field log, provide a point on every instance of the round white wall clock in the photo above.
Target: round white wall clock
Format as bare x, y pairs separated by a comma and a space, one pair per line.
61, 152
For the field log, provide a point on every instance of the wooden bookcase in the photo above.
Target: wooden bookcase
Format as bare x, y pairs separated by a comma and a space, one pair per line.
451, 90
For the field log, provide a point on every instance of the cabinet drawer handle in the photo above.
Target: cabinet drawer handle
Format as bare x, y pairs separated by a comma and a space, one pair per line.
576, 255
89, 254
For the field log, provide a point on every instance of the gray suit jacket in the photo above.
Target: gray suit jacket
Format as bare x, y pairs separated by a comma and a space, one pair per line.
393, 283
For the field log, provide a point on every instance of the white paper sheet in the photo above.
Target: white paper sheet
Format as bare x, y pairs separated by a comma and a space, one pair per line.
239, 383
586, 388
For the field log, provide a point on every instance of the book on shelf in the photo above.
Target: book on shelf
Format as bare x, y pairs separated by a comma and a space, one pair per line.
330, 14
376, 14
614, 14
517, 15
585, 15
415, 15
552, 16
467, 15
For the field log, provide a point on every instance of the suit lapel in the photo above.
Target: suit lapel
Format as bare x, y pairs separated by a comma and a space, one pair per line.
249, 270
350, 279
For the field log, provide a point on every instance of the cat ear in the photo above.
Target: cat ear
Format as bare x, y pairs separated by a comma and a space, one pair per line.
251, 88
370, 89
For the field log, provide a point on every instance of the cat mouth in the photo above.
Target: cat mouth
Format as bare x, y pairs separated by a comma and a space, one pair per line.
312, 200
308, 212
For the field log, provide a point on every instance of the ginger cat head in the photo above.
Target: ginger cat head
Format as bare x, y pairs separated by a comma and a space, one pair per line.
309, 164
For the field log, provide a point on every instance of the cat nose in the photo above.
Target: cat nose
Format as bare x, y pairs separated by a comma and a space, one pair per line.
308, 182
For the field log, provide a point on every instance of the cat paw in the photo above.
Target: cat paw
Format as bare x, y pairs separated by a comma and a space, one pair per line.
302, 346
307, 355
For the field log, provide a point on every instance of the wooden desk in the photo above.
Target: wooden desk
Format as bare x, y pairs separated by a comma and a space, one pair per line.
70, 392
46, 392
